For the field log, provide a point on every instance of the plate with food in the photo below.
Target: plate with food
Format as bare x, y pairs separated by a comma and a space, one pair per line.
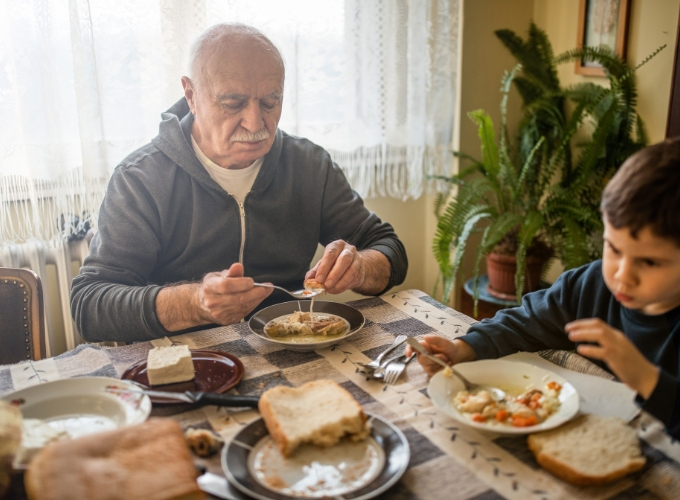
294, 326
70, 408
179, 369
315, 441
535, 399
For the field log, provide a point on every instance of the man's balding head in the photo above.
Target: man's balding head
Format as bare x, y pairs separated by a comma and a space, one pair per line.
235, 92
219, 40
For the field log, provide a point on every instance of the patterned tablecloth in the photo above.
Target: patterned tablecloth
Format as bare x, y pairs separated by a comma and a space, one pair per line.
448, 460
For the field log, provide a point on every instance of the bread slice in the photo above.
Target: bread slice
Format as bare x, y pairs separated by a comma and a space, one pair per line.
149, 461
588, 451
320, 412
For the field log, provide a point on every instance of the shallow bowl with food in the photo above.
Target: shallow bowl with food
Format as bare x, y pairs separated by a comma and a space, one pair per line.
355, 321
512, 377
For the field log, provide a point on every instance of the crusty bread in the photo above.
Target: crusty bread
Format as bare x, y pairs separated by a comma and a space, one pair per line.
588, 451
313, 285
10, 439
149, 461
320, 412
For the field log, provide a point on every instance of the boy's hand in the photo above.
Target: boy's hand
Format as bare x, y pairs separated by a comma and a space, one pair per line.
449, 352
614, 348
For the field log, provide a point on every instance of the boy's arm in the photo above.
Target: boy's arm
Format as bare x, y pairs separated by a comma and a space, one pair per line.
658, 391
537, 324
664, 402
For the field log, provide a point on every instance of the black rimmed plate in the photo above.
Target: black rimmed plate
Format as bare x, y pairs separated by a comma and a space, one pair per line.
261, 318
246, 469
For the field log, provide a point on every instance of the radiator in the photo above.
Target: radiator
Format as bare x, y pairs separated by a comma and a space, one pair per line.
36, 255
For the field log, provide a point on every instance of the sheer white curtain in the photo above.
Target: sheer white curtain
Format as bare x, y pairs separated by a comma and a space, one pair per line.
83, 83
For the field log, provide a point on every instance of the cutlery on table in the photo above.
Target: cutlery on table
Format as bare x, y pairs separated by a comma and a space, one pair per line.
298, 294
396, 368
195, 397
381, 372
219, 487
497, 393
375, 364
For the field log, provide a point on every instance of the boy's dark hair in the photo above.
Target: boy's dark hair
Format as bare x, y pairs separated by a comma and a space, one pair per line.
646, 192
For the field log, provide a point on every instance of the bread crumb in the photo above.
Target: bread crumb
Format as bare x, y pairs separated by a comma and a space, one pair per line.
203, 442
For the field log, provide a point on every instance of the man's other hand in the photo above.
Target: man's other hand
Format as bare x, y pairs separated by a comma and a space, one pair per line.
224, 298
343, 268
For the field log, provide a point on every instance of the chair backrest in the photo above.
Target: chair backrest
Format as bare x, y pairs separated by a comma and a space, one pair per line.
22, 325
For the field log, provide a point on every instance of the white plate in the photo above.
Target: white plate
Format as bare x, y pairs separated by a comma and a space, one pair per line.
510, 376
80, 406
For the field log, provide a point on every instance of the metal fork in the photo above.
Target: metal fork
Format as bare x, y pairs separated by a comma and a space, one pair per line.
394, 369
298, 294
375, 364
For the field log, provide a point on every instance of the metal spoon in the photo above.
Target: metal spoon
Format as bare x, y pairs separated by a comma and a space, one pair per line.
495, 392
298, 294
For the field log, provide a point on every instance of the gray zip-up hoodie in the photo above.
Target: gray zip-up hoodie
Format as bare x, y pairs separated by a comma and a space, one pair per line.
164, 220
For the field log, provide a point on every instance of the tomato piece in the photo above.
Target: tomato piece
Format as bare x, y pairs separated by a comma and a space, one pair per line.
520, 421
478, 417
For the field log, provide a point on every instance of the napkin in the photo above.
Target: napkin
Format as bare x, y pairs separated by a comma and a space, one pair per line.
597, 395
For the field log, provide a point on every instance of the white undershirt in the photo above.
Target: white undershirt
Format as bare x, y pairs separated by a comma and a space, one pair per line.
236, 182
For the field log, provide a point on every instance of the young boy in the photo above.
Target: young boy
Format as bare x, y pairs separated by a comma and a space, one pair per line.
623, 310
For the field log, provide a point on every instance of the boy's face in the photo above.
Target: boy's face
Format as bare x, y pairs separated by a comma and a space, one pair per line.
643, 273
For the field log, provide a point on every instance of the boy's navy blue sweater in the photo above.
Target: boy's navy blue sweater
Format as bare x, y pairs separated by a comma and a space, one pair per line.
579, 294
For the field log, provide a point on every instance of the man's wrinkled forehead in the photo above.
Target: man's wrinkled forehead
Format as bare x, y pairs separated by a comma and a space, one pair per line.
245, 60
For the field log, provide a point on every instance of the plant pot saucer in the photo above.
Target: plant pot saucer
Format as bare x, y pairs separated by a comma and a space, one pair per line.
501, 295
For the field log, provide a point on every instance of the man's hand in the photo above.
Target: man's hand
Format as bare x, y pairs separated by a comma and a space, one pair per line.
450, 352
343, 268
615, 349
223, 298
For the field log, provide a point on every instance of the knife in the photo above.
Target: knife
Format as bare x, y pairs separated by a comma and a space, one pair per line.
195, 397
219, 487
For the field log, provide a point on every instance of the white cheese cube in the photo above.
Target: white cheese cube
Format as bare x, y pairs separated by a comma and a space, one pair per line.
169, 364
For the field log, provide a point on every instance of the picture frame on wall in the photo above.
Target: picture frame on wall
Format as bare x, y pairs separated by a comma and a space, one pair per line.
602, 23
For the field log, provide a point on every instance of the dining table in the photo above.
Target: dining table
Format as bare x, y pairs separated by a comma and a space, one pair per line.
448, 460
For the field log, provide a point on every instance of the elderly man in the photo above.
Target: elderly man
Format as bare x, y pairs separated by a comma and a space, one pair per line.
221, 199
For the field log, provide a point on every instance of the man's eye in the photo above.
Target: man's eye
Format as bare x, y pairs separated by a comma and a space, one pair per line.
269, 105
233, 107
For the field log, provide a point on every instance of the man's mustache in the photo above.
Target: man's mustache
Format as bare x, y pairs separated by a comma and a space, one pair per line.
246, 136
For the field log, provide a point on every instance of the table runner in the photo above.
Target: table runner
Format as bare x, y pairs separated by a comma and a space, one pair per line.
448, 460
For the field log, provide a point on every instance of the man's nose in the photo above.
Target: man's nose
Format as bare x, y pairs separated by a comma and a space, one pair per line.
251, 119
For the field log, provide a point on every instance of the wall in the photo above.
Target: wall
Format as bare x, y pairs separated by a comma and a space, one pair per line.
484, 60
652, 23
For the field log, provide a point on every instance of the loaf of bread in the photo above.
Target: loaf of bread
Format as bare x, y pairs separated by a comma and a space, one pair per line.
588, 451
10, 440
149, 461
320, 412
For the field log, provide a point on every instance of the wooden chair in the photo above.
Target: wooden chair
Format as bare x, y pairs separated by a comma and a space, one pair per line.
22, 323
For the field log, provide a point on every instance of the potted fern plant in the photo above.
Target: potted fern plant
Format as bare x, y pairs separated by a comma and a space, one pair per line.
535, 198
517, 208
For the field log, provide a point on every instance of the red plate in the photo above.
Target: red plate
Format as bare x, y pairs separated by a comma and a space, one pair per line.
215, 372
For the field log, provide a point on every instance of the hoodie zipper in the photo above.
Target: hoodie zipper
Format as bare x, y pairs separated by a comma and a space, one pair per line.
242, 212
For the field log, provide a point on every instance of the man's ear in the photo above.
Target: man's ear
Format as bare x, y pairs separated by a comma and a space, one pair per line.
189, 92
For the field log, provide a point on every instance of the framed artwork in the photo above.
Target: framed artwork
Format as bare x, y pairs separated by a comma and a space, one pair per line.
602, 23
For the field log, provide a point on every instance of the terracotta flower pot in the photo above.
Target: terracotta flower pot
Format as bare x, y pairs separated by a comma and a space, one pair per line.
501, 270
